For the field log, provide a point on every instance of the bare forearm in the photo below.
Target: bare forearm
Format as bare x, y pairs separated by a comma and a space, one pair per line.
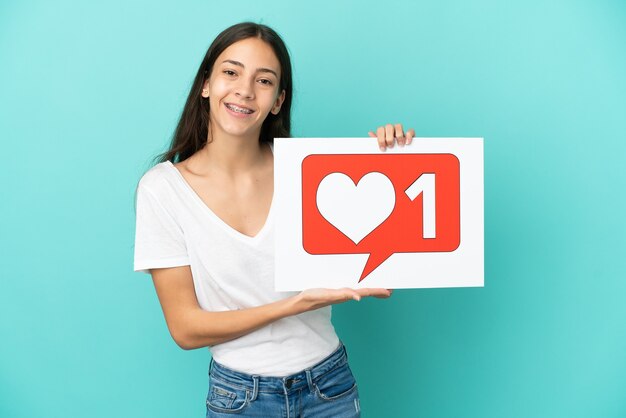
198, 328
204, 328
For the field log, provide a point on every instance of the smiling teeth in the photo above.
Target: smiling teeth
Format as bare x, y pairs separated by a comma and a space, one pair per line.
238, 109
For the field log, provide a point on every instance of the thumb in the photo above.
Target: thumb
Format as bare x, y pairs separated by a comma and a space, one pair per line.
372, 134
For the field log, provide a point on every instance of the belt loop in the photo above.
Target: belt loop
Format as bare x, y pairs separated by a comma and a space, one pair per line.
255, 389
309, 380
211, 365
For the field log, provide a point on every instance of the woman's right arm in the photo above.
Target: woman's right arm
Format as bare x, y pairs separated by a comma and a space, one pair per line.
193, 327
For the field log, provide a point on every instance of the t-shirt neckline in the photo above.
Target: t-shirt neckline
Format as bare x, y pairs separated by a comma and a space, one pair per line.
251, 239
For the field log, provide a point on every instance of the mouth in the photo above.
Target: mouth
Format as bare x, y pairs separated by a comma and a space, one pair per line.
238, 109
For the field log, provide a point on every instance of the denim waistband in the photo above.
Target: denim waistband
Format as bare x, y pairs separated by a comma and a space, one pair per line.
286, 384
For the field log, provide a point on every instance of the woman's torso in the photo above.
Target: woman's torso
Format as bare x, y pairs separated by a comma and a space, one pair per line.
233, 270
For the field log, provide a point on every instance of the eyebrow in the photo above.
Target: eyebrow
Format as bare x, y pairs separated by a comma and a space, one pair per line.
262, 70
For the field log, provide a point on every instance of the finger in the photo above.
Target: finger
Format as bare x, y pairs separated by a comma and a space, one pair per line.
354, 295
347, 294
376, 292
409, 136
371, 134
380, 134
399, 134
389, 135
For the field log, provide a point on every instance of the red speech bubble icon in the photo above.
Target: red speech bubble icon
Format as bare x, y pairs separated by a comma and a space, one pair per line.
380, 204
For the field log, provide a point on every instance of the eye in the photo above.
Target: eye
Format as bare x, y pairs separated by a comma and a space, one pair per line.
266, 82
229, 72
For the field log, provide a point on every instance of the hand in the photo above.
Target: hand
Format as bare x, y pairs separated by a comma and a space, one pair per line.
318, 298
387, 135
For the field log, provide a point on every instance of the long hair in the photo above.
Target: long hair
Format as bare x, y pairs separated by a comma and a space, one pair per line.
192, 130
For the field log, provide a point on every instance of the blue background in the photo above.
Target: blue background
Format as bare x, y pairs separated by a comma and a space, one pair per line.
91, 91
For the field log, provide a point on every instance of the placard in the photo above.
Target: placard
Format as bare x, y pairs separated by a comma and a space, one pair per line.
350, 215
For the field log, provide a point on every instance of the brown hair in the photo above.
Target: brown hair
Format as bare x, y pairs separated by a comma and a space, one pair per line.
192, 130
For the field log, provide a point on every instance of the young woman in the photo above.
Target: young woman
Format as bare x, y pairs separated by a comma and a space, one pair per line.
205, 233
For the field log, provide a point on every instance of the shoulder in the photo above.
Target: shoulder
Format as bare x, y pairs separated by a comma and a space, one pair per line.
156, 178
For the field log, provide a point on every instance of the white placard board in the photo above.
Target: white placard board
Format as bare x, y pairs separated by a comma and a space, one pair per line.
350, 215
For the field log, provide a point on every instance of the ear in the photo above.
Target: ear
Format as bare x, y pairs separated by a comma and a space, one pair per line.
279, 102
205, 89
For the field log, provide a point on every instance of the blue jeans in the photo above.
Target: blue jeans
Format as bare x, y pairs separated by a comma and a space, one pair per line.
327, 389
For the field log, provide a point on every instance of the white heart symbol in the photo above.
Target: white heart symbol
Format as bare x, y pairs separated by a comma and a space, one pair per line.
356, 210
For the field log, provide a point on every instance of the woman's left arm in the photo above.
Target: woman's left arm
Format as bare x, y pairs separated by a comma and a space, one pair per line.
390, 134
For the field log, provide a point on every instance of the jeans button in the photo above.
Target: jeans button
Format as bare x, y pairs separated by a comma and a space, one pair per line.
288, 383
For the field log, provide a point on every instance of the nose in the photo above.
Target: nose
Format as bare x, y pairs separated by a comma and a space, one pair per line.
244, 88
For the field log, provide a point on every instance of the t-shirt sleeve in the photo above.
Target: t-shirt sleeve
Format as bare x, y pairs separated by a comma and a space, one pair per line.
159, 239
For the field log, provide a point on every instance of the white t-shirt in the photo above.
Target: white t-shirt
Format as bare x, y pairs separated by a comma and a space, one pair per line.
230, 271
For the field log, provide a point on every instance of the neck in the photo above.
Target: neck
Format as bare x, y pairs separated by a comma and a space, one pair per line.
232, 154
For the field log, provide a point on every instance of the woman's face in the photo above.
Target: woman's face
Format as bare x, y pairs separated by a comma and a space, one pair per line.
243, 89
